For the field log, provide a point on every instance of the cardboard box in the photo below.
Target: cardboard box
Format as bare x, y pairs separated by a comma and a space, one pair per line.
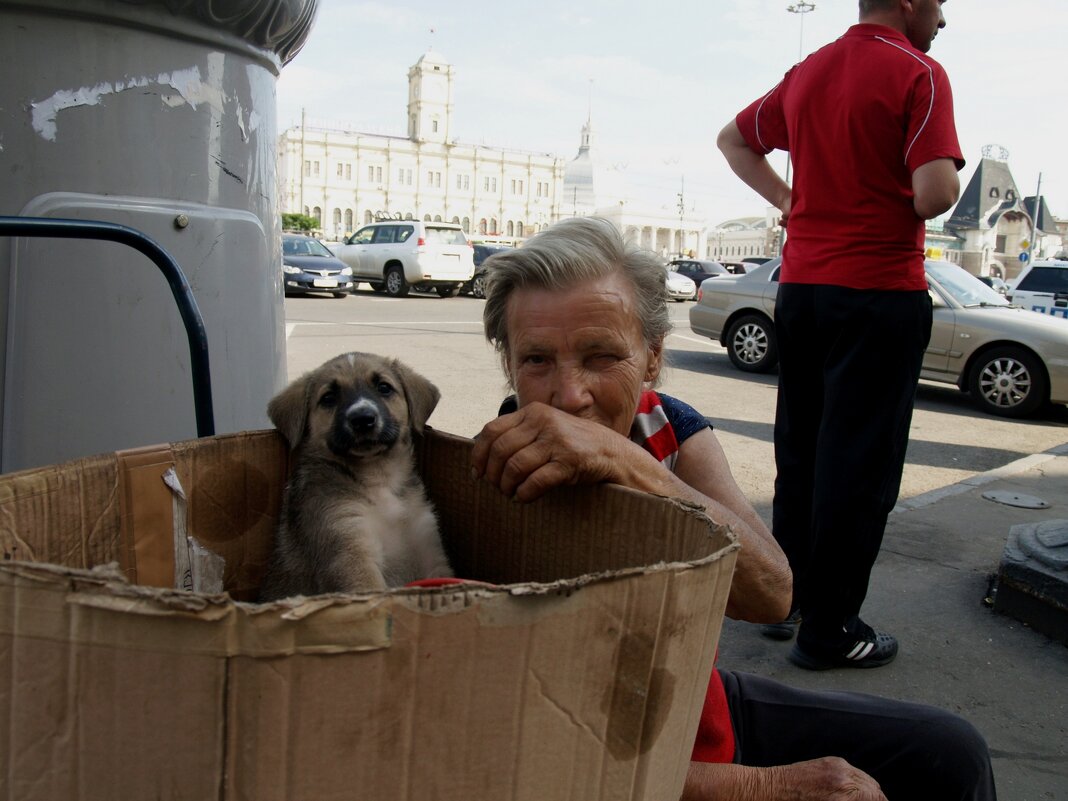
579, 677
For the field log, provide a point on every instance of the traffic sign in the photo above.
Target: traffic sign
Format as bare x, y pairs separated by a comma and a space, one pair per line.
1024, 256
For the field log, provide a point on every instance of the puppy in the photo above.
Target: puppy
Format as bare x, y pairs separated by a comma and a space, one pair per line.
355, 516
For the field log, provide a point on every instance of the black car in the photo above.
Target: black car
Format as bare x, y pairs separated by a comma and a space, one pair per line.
477, 285
697, 270
309, 266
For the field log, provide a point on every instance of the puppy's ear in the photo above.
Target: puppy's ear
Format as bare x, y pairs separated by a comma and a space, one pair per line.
422, 396
288, 410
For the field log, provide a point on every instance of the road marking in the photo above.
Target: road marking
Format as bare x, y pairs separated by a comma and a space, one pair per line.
390, 323
707, 342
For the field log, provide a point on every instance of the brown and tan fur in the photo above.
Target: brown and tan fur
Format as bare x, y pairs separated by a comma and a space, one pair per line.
355, 516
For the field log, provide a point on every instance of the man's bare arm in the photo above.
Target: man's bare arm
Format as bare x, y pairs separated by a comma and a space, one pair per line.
935, 188
755, 170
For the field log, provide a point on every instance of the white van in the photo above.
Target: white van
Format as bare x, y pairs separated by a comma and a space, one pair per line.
395, 256
1042, 287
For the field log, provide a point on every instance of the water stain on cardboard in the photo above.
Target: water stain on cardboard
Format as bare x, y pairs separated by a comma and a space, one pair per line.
638, 702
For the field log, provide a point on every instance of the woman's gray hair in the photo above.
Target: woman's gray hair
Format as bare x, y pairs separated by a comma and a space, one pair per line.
567, 253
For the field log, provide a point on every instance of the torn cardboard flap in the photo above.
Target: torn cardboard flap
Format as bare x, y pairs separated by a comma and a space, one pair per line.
99, 608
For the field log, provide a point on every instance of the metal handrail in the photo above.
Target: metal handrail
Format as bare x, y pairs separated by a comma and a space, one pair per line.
183, 294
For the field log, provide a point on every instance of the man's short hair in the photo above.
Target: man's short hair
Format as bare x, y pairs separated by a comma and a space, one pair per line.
868, 6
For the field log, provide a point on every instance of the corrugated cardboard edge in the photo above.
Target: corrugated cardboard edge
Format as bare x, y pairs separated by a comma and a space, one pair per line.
99, 607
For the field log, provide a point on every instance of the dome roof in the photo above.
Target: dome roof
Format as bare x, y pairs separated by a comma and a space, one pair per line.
587, 184
430, 57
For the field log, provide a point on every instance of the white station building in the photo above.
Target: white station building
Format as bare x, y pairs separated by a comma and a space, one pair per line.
345, 178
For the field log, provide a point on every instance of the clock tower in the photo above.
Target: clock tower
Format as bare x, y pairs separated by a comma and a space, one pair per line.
430, 99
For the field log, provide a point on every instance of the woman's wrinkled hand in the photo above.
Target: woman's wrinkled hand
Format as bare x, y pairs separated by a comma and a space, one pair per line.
528, 452
826, 779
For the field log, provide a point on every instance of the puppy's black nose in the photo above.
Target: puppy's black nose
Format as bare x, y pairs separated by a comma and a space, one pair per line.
362, 416
362, 421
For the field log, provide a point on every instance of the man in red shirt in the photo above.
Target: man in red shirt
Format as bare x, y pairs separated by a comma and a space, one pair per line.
868, 122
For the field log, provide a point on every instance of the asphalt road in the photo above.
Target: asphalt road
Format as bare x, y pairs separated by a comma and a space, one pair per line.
950, 441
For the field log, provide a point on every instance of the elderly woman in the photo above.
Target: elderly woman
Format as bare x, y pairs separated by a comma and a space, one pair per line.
579, 321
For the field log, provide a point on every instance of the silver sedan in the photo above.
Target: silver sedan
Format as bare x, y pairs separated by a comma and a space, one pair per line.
680, 287
1011, 361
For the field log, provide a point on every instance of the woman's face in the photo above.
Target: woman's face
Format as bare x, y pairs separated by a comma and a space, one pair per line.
581, 350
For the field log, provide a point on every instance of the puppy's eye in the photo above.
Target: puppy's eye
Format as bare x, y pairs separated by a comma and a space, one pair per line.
385, 389
328, 400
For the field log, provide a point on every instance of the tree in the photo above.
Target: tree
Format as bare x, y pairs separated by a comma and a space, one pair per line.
299, 222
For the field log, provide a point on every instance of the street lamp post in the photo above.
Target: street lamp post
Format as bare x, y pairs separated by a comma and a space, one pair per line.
801, 8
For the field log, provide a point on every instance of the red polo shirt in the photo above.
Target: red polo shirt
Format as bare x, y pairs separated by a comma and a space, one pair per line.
858, 116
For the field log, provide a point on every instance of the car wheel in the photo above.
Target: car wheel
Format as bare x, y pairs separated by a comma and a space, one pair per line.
396, 286
751, 344
379, 288
1009, 382
478, 286
447, 291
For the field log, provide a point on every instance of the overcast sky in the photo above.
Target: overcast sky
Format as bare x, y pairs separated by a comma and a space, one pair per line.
664, 78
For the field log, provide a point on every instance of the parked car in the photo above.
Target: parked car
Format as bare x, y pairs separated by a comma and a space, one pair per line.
307, 266
1010, 360
477, 285
697, 270
396, 256
680, 287
1042, 287
758, 260
737, 267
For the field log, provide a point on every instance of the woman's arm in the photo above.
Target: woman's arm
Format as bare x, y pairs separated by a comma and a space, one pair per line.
826, 779
761, 591
528, 452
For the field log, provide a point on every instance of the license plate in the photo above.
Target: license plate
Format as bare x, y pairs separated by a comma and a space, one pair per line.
324, 282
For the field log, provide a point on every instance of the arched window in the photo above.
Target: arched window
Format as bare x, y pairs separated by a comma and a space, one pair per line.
368, 218
437, 218
994, 192
348, 219
519, 228
409, 216
337, 218
511, 228
466, 224
455, 220
482, 226
493, 225
317, 213
426, 218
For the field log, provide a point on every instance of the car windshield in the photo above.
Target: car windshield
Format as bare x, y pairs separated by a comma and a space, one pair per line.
445, 236
304, 246
964, 287
1045, 279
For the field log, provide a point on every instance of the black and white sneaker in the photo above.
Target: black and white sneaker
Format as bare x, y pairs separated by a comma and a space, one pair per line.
873, 649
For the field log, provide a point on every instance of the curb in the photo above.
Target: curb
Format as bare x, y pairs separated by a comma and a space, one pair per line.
980, 479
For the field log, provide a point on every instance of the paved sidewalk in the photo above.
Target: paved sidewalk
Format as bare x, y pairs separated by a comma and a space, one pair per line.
928, 588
